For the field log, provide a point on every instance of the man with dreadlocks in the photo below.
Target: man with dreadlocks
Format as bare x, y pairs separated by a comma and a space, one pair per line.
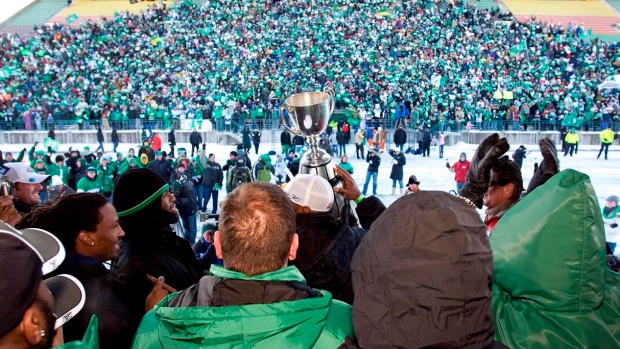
91, 237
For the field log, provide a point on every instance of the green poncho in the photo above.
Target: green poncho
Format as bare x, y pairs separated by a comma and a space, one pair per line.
551, 284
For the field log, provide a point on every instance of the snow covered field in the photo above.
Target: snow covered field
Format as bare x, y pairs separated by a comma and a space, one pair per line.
430, 171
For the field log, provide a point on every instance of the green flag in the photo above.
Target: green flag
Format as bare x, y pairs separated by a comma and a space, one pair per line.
72, 18
53, 143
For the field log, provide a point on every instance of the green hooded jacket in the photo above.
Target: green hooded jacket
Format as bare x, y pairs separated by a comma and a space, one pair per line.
307, 323
551, 284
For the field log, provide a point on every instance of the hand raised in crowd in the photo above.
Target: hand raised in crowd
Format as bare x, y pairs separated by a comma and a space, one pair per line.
478, 177
8, 213
349, 188
157, 294
549, 166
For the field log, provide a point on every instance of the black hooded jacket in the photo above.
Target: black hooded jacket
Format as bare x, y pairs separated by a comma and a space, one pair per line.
422, 277
151, 247
103, 299
327, 245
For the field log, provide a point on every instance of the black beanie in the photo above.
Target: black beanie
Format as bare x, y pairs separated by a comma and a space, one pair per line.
136, 189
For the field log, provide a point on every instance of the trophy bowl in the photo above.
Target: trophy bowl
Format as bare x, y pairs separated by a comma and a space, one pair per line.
307, 113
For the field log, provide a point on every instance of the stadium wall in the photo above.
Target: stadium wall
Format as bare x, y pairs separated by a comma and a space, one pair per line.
273, 136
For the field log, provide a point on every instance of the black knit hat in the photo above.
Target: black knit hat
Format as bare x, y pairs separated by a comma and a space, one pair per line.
136, 189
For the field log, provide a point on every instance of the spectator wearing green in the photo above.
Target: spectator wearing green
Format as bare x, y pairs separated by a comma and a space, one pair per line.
345, 164
58, 168
105, 174
256, 287
89, 183
38, 155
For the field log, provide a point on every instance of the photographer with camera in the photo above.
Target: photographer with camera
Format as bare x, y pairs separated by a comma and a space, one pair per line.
327, 243
240, 174
186, 202
27, 185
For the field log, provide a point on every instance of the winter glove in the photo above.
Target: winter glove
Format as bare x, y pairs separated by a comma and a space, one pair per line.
395, 162
549, 166
614, 225
478, 177
217, 186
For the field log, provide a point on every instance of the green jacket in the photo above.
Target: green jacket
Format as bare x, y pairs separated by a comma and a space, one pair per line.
551, 284
307, 323
90, 340
61, 171
87, 185
106, 178
346, 166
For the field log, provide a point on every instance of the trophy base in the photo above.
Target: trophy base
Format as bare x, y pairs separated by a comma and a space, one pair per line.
315, 157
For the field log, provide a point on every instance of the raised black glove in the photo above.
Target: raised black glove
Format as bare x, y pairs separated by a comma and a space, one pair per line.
478, 177
549, 166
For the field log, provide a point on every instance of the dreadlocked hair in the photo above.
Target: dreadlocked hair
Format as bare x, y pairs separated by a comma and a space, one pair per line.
66, 217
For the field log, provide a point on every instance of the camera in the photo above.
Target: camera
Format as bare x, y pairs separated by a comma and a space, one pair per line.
6, 186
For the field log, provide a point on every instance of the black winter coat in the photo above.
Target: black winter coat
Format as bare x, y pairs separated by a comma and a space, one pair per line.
103, 299
186, 200
400, 136
157, 251
298, 140
518, 157
245, 138
99, 135
428, 248
397, 169
326, 248
285, 138
256, 136
212, 174
149, 153
172, 139
373, 163
426, 137
162, 168
341, 138
114, 136
195, 138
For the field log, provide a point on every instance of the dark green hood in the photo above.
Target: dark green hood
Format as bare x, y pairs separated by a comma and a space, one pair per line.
552, 288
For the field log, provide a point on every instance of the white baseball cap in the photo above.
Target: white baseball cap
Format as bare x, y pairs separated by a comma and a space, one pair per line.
56, 180
22, 173
311, 190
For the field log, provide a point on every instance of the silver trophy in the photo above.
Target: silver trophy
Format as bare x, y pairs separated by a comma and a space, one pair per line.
307, 115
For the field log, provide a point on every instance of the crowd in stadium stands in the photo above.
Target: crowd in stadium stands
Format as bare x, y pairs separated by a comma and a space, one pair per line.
234, 62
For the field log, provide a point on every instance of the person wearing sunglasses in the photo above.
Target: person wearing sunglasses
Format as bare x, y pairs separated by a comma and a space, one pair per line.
504, 191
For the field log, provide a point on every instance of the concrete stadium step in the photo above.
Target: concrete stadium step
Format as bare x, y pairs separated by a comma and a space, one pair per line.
37, 13
23, 31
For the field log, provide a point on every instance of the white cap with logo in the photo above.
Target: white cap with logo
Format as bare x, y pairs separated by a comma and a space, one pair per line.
23, 173
312, 191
